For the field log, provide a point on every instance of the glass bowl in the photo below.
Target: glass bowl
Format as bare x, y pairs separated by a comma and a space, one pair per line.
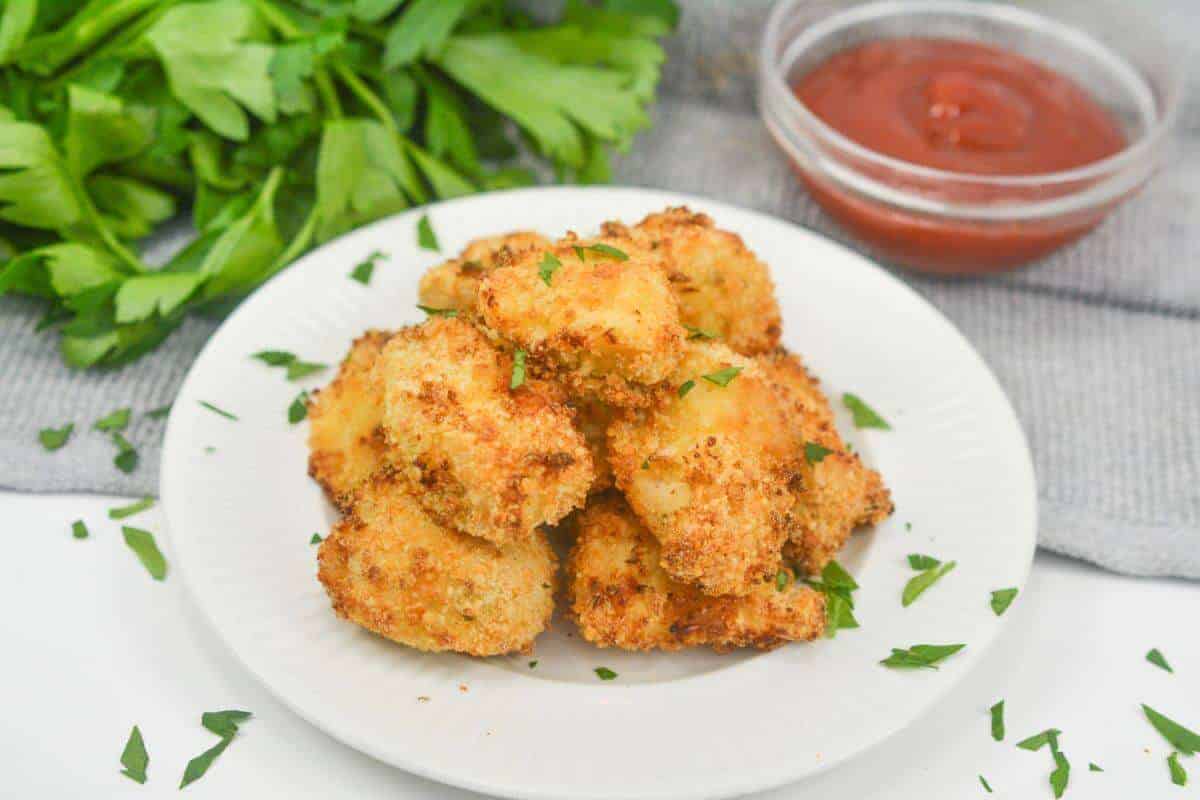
953, 222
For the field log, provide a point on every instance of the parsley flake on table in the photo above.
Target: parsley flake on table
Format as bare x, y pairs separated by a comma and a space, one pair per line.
815, 453
983, 782
864, 416
222, 723
686, 387
1040, 740
316, 539
116, 421
722, 377
130, 510
127, 456
54, 438
219, 411
920, 561
917, 585
1156, 658
275, 358
144, 547
1179, 737
363, 271
1002, 599
518, 370
159, 413
426, 238
302, 369
134, 757
1178, 773
548, 267
298, 410
439, 312
1094, 767
605, 674
997, 712
1061, 774
79, 530
695, 333
608, 250
920, 656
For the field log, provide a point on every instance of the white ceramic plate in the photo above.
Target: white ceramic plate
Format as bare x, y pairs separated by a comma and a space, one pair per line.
676, 726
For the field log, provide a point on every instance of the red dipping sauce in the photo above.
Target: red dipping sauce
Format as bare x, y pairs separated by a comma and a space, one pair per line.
961, 107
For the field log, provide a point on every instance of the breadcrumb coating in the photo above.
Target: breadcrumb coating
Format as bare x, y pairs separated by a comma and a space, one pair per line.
345, 440
593, 416
620, 597
455, 283
391, 569
482, 458
709, 472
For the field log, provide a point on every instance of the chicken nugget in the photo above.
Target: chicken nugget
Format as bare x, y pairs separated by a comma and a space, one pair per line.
836, 493
391, 569
454, 284
620, 597
723, 290
593, 416
345, 440
708, 468
598, 313
481, 457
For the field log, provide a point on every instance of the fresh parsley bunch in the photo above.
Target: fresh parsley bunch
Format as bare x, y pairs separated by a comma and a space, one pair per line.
280, 124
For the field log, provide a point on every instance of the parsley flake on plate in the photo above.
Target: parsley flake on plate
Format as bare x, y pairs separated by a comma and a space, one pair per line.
222, 723
298, 410
1156, 658
608, 250
134, 757
1040, 740
983, 782
127, 457
302, 369
605, 674
917, 585
130, 510
533, 664
920, 561
815, 453
116, 421
439, 312
426, 238
275, 358
316, 539
997, 712
54, 438
722, 377
1178, 773
1002, 599
838, 587
219, 411
1179, 737
1094, 767
1061, 774
920, 656
79, 530
159, 413
864, 415
686, 387
144, 547
363, 271
548, 267
518, 370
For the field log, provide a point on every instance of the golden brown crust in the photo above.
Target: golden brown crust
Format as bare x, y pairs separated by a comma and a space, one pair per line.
593, 416
391, 569
708, 473
838, 493
345, 440
722, 288
480, 457
455, 283
620, 597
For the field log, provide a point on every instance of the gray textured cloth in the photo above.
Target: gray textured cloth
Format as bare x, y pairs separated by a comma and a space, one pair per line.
1098, 346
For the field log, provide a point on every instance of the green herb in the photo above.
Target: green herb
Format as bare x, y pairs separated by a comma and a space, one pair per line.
79, 529
130, 510
210, 450
275, 358
926, 656
1040, 740
518, 369
426, 238
302, 369
580, 252
1094, 767
608, 250
116, 421
815, 453
605, 674
917, 585
54, 438
1178, 773
646, 464
1002, 599
316, 539
533, 664
998, 721
686, 387
220, 411
225, 725
366, 268
983, 782
159, 413
1061, 774
908, 526
298, 410
549, 264
439, 312
134, 758
722, 377
1156, 658
922, 562
127, 457
864, 415
698, 333
781, 580
1178, 736
142, 544
838, 586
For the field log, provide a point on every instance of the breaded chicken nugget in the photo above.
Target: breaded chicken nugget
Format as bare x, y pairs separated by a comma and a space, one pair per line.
835, 494
345, 440
597, 312
707, 469
454, 283
723, 290
481, 457
621, 597
391, 569
592, 417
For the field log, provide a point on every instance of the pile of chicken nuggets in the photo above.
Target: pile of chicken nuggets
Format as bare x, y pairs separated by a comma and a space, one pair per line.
625, 393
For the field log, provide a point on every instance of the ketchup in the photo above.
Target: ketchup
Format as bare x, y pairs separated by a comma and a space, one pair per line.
960, 107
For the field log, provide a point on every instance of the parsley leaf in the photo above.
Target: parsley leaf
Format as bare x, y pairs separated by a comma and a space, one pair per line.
1179, 737
219, 411
926, 656
605, 674
686, 387
1040, 740
838, 586
159, 413
426, 238
79, 530
223, 723
116, 421
921, 562
533, 664
1002, 599
549, 264
1092, 767
997, 711
302, 369
698, 333
1061, 774
983, 782
275, 358
608, 250
815, 453
316, 539
365, 268
1178, 773
864, 415
722, 377
298, 410
130, 510
144, 547
1156, 658
54, 438
127, 457
134, 758
518, 369
199, 765
449, 313
917, 585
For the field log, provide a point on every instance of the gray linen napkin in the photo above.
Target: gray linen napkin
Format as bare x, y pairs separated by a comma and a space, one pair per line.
1098, 346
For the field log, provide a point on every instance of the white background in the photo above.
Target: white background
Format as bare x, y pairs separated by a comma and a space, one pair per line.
92, 645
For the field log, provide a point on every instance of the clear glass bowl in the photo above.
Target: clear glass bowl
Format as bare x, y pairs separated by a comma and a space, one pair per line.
958, 223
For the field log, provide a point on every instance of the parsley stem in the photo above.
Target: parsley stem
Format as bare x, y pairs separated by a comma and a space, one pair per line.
369, 98
328, 92
277, 19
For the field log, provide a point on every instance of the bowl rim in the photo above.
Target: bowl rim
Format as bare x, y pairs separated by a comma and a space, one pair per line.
772, 80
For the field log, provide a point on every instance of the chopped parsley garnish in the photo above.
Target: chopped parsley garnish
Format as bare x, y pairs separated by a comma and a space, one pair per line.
426, 238
518, 370
781, 580
838, 586
580, 253
1156, 658
998, 721
1179, 737
920, 656
364, 269
54, 438
1040, 740
864, 415
533, 664
144, 547
79, 530
722, 377
127, 457
302, 369
815, 453
698, 333
222, 723
275, 358
1002, 599
908, 526
686, 387
549, 265
116, 421
159, 413
646, 464
439, 312
298, 410
919, 583
984, 783
605, 674
316, 539
921, 562
210, 450
220, 411
1094, 767
130, 510
1062, 768
610, 251
134, 758
1178, 773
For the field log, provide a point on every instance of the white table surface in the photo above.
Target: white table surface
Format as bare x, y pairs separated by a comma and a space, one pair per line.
92, 645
